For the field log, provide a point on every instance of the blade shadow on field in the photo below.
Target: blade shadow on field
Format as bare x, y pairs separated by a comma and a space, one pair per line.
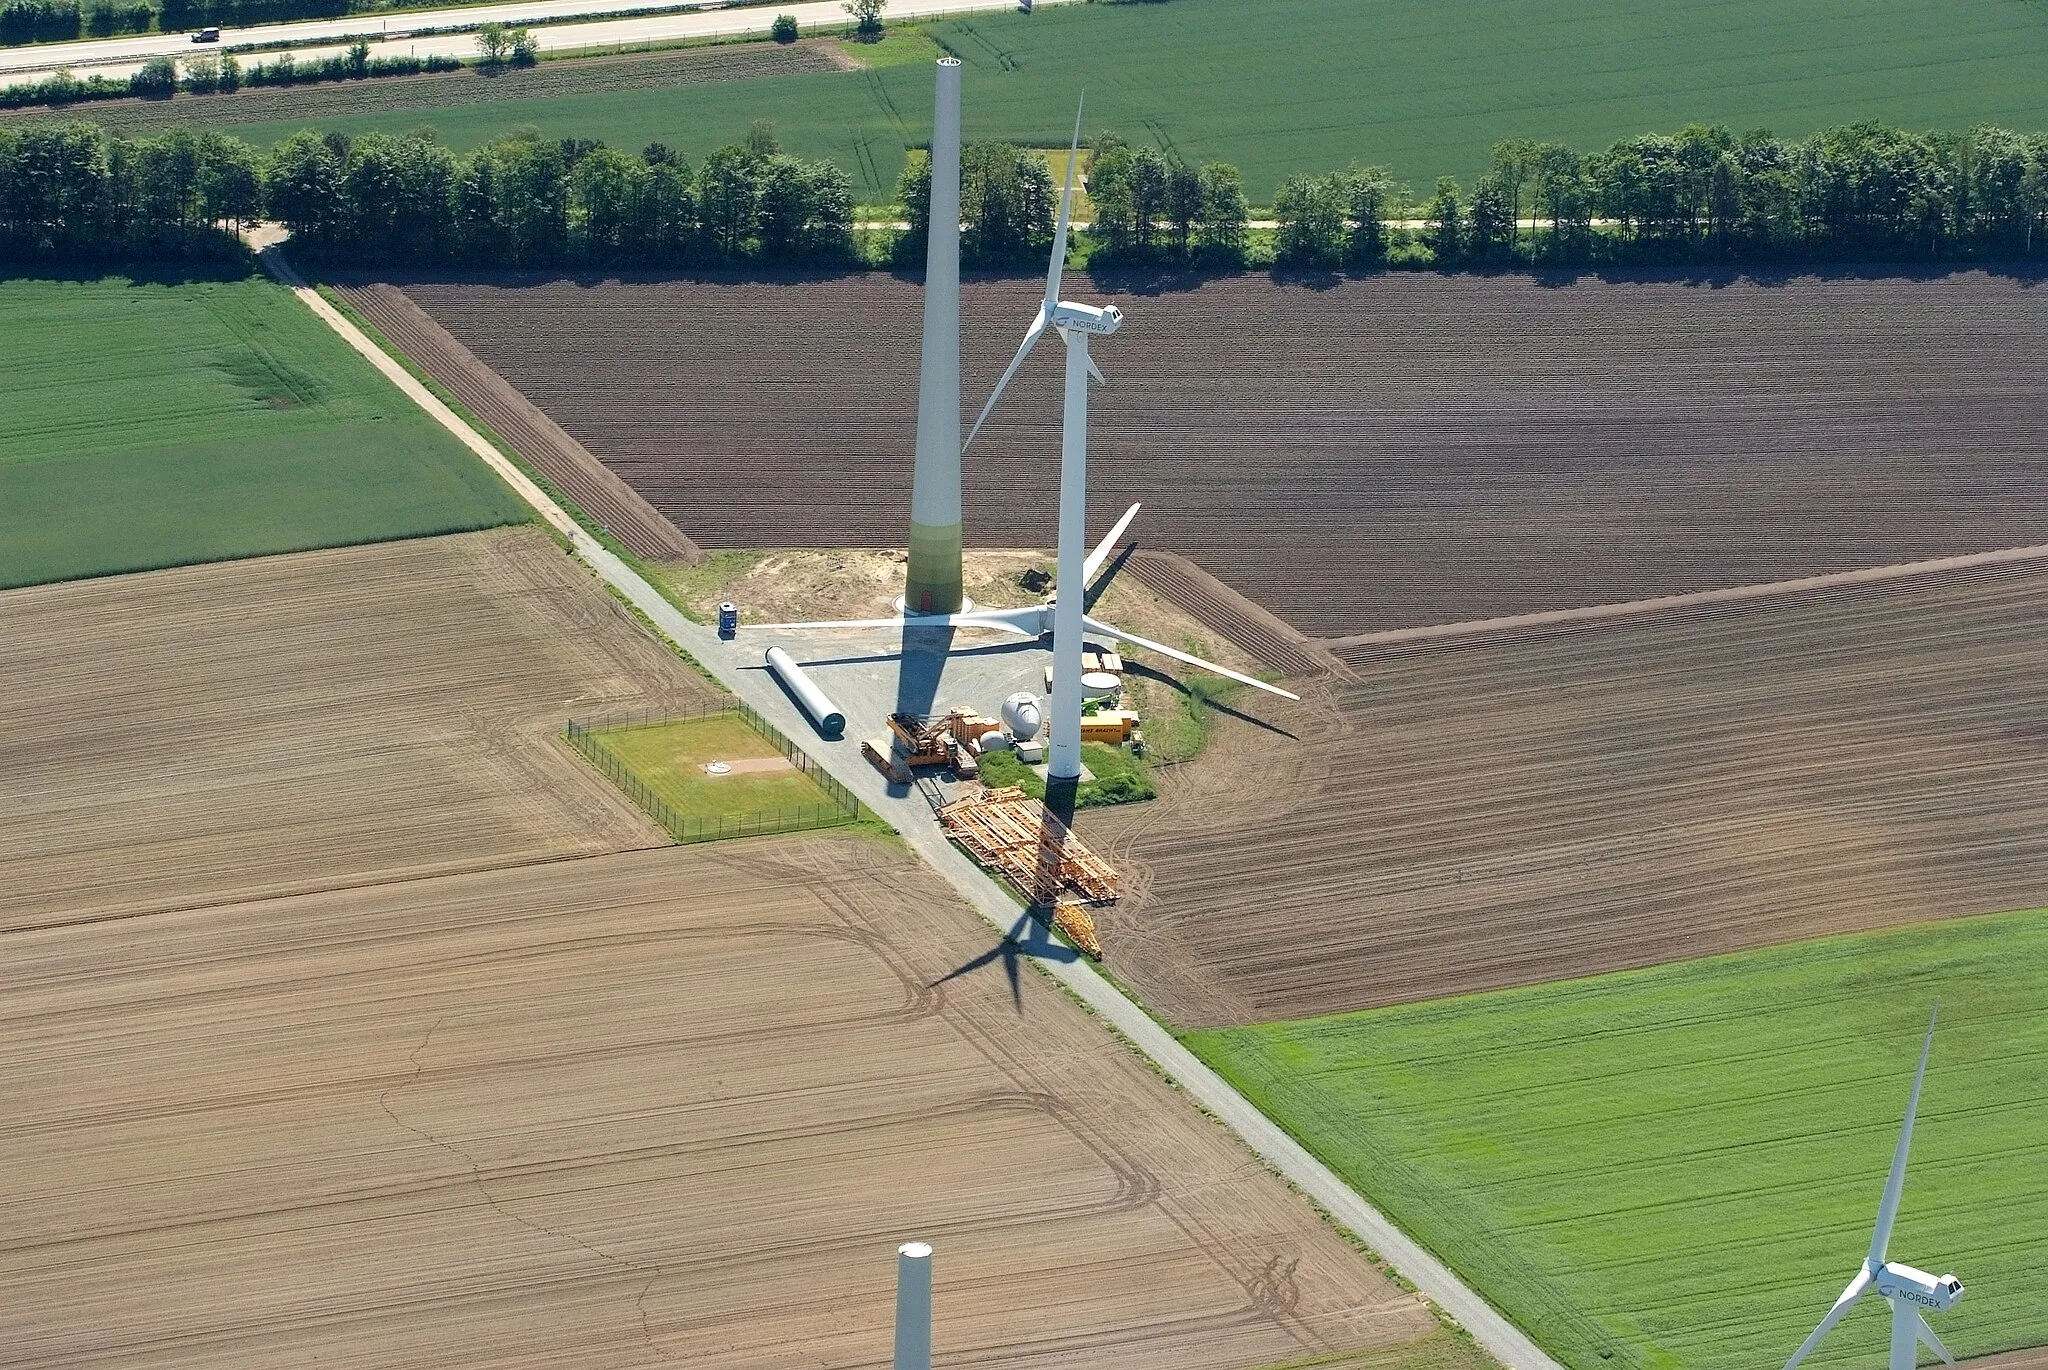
1026, 937
1229, 711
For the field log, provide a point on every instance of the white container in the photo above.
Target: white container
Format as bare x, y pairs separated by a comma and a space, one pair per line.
1022, 716
1100, 685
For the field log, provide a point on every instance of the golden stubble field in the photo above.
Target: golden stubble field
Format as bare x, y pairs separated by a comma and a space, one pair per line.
292, 723
675, 1105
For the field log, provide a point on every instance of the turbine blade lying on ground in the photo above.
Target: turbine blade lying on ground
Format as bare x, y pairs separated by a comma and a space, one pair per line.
1107, 545
1895, 1183
912, 621
1097, 625
1853, 1292
1926, 1334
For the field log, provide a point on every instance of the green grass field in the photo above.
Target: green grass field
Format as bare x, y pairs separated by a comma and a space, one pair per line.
158, 422
1279, 86
669, 758
1680, 1167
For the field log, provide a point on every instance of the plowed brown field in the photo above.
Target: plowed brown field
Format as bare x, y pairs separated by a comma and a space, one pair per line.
1402, 450
670, 1105
300, 722
1470, 814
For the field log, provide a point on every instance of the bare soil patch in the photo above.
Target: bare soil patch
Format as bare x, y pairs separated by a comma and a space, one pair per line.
564, 462
300, 722
678, 1104
1480, 813
1404, 450
428, 93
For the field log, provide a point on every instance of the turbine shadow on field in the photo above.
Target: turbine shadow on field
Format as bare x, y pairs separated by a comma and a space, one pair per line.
1026, 937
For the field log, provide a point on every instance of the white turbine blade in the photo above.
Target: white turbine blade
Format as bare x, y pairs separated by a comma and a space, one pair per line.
1031, 337
1094, 370
1896, 1183
977, 621
1933, 1342
1102, 548
833, 623
909, 620
1059, 236
1149, 645
1854, 1292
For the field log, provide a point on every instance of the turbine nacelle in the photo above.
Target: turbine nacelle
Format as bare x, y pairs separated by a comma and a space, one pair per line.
1087, 318
1938, 1292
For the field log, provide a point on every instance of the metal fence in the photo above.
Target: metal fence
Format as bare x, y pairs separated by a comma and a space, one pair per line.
586, 736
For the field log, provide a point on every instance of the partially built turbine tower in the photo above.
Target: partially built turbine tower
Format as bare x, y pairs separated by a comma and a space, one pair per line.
934, 584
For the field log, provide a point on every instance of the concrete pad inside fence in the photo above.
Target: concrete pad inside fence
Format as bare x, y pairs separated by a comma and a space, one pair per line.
748, 765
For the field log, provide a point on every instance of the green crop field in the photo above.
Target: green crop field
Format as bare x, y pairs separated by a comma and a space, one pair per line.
157, 422
1680, 1167
1279, 86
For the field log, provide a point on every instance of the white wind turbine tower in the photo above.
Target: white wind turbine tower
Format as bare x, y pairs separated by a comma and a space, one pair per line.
1906, 1289
1077, 323
1064, 615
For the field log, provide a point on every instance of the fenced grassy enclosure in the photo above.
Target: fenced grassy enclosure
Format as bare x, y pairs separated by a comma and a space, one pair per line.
658, 762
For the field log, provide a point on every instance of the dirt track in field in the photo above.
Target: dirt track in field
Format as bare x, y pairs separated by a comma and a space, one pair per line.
565, 463
1499, 811
293, 723
678, 1104
1382, 453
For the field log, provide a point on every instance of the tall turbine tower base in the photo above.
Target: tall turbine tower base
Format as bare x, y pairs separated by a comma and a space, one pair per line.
1063, 759
933, 585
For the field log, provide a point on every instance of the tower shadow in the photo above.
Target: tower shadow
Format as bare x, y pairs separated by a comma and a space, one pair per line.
922, 667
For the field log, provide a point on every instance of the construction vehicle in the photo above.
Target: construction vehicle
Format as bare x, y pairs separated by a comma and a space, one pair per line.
916, 742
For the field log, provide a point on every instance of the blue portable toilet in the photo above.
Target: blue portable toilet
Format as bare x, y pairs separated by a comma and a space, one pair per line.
728, 619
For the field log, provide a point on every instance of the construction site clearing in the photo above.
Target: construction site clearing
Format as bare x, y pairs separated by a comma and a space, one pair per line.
1010, 833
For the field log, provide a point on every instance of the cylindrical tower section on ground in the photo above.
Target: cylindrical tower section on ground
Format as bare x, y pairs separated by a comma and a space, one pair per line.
913, 1306
934, 585
823, 712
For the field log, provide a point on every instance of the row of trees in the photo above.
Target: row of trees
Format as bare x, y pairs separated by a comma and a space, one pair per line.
30, 21
1865, 191
74, 193
1862, 191
1144, 206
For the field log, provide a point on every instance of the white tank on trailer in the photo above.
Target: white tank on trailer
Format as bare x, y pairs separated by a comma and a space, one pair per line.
823, 712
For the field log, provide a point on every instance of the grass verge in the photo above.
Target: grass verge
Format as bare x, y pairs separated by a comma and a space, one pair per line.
1120, 778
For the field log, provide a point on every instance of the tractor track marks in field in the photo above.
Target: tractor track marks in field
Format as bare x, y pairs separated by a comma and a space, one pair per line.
1477, 813
565, 463
600, 1128
217, 733
1391, 452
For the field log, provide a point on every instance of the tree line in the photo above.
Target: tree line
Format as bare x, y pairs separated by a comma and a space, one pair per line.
72, 193
1865, 191
1143, 205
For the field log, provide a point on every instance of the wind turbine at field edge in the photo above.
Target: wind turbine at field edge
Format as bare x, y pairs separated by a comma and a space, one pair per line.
1064, 617
1907, 1290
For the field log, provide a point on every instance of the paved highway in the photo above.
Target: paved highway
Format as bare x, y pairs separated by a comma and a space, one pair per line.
397, 34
